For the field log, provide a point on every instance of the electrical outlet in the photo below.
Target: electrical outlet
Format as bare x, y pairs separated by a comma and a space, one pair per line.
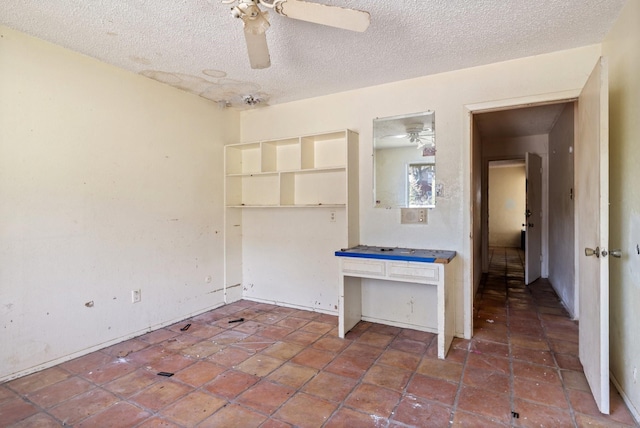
136, 296
332, 216
413, 215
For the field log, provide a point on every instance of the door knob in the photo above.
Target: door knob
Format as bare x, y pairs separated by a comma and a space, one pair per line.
530, 224
591, 252
615, 253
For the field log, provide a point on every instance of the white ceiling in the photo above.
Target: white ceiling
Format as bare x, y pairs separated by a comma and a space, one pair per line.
198, 46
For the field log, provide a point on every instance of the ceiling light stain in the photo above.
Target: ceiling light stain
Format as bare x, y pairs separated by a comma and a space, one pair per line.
140, 60
224, 91
214, 73
250, 100
161, 76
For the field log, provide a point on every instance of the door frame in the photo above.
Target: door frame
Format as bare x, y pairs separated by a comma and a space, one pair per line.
536, 227
474, 274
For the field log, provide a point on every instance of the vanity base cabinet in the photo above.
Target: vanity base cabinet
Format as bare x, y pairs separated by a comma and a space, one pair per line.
440, 275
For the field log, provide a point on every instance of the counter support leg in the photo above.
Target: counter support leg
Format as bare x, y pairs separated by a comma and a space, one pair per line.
350, 304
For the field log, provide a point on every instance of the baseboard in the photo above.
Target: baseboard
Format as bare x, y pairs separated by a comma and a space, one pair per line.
400, 324
634, 412
290, 305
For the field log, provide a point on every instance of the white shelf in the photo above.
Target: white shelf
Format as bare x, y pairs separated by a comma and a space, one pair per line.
288, 206
308, 171
242, 158
278, 193
281, 155
323, 151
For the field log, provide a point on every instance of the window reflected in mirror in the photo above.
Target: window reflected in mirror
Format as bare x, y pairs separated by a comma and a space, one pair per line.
404, 161
420, 184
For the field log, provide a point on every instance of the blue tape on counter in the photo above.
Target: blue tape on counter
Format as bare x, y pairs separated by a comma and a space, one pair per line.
387, 256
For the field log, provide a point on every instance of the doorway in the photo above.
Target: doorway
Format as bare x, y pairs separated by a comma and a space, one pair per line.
504, 137
582, 119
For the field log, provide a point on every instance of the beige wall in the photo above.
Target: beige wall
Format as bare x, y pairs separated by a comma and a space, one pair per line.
622, 47
561, 209
448, 94
109, 182
507, 187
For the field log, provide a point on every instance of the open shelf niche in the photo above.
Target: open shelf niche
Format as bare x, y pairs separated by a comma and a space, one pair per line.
313, 170
311, 181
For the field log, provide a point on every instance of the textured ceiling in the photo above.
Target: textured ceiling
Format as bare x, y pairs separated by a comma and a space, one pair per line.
518, 122
198, 46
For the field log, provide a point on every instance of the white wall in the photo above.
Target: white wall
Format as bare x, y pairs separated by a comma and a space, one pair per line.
507, 187
621, 47
447, 94
288, 256
561, 209
109, 182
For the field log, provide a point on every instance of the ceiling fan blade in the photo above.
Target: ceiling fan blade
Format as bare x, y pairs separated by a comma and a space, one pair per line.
257, 48
333, 16
256, 24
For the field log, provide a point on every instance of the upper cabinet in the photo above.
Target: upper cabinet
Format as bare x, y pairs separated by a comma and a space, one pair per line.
318, 170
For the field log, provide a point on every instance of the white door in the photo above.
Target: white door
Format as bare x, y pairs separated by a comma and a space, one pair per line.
533, 234
592, 232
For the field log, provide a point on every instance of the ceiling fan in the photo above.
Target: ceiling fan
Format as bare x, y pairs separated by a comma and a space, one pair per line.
419, 134
256, 21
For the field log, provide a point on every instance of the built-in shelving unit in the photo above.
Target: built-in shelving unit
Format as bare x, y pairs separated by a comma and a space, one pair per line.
309, 171
293, 200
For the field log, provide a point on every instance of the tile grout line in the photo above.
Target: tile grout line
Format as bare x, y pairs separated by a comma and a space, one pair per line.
511, 374
454, 407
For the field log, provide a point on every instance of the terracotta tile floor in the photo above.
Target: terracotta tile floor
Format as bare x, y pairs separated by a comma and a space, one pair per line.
283, 367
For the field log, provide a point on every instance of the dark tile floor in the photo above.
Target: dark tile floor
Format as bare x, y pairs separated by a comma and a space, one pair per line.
283, 367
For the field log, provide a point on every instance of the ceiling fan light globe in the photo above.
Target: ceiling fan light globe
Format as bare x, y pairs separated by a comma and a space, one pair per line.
256, 25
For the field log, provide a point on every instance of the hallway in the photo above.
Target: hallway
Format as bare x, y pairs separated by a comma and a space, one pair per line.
283, 367
529, 326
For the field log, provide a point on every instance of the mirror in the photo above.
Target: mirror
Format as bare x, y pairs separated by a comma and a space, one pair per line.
404, 157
